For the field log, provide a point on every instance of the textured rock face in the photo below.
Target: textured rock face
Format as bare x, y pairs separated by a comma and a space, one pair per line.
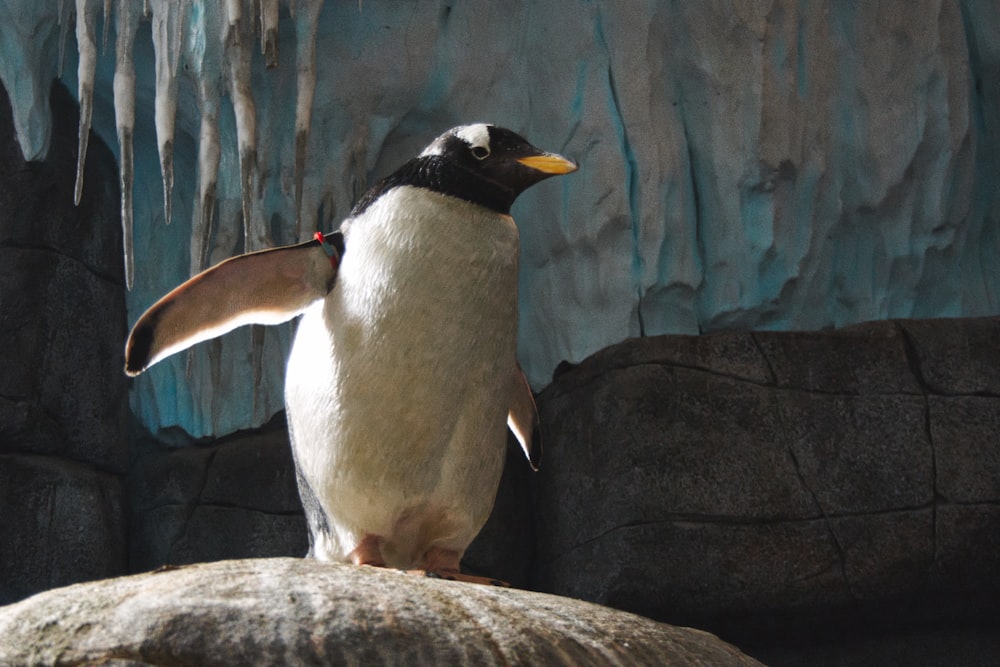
63, 448
297, 612
232, 499
768, 483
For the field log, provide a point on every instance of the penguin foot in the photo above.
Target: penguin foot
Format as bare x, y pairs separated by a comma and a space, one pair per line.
368, 552
451, 575
444, 564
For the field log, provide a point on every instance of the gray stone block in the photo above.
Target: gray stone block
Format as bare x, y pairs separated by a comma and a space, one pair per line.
212, 533
842, 491
62, 523
966, 435
958, 356
860, 453
868, 358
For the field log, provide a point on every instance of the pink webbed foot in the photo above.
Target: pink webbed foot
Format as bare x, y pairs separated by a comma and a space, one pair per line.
368, 552
444, 564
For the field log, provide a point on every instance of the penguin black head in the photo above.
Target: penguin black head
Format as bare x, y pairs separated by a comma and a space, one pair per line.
482, 164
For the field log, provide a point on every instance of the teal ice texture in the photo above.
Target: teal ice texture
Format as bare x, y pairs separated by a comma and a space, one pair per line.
787, 165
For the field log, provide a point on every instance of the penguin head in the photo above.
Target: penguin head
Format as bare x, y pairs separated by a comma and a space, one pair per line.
483, 164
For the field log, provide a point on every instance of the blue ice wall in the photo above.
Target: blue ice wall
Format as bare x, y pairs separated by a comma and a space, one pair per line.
782, 165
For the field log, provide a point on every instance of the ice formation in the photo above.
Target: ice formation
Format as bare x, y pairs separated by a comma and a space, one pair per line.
792, 164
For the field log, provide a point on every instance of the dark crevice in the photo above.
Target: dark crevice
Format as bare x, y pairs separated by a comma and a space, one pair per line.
763, 355
913, 360
708, 371
702, 520
841, 559
220, 505
59, 458
193, 506
37, 247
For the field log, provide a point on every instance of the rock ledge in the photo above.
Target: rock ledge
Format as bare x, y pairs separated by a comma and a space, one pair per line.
294, 611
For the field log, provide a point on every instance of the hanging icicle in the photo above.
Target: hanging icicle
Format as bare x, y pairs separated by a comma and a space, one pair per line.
105, 27
169, 17
269, 32
238, 56
234, 14
127, 24
306, 14
64, 18
205, 55
87, 44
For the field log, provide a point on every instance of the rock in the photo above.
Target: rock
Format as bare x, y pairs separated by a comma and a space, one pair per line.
231, 498
959, 358
62, 522
779, 484
63, 397
62, 308
294, 611
967, 458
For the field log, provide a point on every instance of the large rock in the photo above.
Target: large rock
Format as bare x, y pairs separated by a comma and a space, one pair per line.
765, 485
299, 612
62, 522
63, 443
232, 498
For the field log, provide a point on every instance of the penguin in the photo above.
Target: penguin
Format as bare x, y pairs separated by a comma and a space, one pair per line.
402, 379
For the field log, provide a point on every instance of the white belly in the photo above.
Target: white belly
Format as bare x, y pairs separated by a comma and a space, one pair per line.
398, 383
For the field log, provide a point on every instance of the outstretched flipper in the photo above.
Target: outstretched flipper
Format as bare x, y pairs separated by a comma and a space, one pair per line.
266, 287
522, 419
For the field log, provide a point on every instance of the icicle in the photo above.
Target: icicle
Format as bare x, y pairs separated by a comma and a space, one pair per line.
206, 60
306, 22
255, 12
238, 77
168, 28
269, 32
85, 29
64, 14
124, 86
105, 27
234, 10
208, 170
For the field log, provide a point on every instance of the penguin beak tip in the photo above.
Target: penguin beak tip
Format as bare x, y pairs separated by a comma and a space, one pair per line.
550, 163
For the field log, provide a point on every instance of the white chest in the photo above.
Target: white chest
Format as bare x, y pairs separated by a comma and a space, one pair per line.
398, 383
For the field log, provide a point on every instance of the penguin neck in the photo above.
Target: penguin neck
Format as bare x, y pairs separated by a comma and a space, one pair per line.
434, 173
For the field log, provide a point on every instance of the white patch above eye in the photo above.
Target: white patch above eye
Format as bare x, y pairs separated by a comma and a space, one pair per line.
477, 135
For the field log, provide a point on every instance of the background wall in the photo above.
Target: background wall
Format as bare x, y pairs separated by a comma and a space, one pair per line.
791, 164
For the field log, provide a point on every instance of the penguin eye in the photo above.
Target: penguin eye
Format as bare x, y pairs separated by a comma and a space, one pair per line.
480, 152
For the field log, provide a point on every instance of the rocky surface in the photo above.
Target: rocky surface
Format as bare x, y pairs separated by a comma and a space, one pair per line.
766, 484
838, 485
63, 445
299, 612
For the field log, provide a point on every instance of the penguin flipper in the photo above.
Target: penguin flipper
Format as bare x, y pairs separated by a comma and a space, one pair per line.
265, 287
522, 419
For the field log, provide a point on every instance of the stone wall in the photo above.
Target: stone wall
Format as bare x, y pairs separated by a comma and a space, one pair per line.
771, 487
809, 496
63, 446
